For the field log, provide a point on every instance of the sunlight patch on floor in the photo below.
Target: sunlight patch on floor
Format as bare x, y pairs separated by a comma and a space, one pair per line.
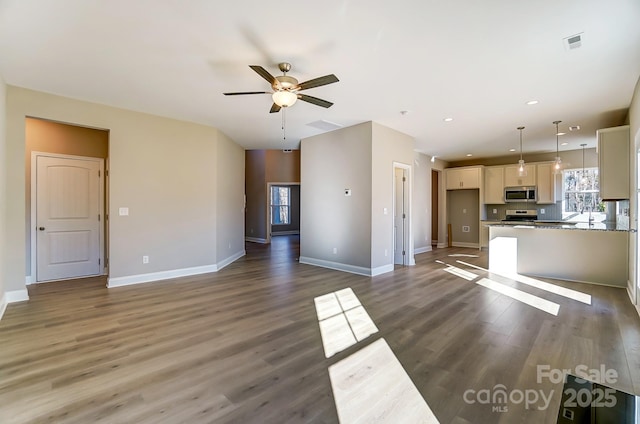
371, 386
343, 321
542, 285
524, 297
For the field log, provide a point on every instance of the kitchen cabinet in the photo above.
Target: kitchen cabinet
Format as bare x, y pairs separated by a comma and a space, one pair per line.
613, 162
494, 185
546, 183
511, 178
463, 178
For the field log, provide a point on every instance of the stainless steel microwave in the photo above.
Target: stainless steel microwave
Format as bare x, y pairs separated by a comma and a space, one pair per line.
520, 194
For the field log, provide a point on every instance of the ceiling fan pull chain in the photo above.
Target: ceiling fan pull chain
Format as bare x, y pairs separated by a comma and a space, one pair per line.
284, 132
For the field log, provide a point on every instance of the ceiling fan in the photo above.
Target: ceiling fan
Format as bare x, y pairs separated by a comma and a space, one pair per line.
286, 89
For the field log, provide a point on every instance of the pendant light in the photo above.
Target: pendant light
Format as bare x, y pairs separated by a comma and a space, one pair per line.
583, 178
522, 170
558, 163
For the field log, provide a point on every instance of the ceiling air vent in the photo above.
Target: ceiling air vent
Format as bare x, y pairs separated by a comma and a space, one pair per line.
573, 42
324, 125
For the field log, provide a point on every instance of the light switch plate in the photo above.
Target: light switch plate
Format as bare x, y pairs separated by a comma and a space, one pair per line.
123, 211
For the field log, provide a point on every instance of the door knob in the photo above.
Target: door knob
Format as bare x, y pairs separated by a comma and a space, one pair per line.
41, 228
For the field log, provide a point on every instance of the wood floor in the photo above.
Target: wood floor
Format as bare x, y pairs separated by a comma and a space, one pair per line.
243, 345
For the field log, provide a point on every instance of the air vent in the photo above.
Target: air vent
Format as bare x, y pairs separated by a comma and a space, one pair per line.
324, 125
574, 41
286, 150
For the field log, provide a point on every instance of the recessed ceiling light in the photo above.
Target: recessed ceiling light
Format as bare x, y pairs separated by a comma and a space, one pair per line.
404, 112
564, 144
574, 128
469, 155
512, 150
532, 102
448, 119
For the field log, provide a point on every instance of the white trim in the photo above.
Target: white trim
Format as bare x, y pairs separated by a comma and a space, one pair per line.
29, 280
16, 296
174, 273
158, 276
464, 244
285, 233
230, 259
422, 249
255, 240
441, 245
34, 202
3, 305
382, 269
359, 270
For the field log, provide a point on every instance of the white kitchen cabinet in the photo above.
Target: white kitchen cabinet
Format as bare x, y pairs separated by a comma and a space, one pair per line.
463, 178
546, 183
494, 185
613, 162
511, 178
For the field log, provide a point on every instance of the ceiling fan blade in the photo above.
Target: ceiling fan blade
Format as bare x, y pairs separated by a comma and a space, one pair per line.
317, 82
275, 108
314, 100
265, 74
246, 92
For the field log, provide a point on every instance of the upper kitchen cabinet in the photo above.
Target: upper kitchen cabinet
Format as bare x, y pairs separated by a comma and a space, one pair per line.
613, 162
494, 185
511, 178
463, 178
546, 183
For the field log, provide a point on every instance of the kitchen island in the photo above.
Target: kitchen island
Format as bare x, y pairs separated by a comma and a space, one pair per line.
582, 252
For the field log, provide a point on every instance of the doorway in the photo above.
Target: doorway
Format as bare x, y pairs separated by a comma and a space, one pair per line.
76, 159
435, 192
402, 249
283, 209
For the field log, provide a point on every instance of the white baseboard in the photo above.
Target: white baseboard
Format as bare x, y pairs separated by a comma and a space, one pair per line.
174, 273
230, 259
463, 244
3, 305
255, 240
285, 233
382, 270
423, 249
17, 296
368, 272
441, 245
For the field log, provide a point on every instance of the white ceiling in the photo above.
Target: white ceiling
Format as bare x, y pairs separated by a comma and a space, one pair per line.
478, 62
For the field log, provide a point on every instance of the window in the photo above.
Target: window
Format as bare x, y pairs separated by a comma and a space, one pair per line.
280, 205
581, 190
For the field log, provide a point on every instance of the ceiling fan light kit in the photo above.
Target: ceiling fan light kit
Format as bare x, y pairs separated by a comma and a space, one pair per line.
286, 89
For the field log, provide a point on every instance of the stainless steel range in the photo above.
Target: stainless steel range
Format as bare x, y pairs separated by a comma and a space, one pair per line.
519, 215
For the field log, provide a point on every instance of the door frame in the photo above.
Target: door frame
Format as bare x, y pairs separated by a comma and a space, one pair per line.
410, 260
268, 224
33, 212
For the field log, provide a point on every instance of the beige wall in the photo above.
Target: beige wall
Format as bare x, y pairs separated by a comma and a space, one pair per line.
330, 163
229, 198
3, 196
55, 137
162, 169
388, 146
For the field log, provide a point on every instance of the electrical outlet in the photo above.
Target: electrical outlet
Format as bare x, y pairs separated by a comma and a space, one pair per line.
495, 211
466, 229
542, 211
386, 252
145, 259
464, 211
335, 250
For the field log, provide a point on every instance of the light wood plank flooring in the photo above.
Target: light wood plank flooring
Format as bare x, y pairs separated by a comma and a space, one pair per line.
243, 345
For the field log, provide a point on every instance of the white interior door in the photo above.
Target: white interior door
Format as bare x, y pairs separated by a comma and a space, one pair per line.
400, 217
67, 217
